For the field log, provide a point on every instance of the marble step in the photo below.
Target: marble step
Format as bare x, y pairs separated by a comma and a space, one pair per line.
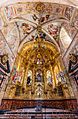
47, 115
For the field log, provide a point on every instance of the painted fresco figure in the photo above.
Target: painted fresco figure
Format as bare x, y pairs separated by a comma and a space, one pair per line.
4, 67
26, 28
73, 66
53, 30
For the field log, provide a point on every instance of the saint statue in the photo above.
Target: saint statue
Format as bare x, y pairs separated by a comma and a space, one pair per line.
28, 80
39, 77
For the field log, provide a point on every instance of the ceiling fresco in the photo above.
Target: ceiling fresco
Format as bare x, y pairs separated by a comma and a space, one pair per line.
20, 22
66, 2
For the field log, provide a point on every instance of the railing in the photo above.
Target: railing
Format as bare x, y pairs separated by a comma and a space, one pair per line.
9, 104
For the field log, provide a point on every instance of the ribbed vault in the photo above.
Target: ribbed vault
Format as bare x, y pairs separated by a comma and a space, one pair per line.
20, 22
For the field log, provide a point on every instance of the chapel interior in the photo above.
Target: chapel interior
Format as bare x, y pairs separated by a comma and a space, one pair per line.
39, 59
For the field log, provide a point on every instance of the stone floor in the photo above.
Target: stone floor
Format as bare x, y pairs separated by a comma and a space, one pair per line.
44, 113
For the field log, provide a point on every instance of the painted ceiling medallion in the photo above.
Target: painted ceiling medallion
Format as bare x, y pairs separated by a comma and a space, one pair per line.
40, 6
4, 59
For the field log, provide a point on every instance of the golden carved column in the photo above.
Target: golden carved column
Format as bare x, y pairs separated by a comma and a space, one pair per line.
33, 80
45, 80
24, 76
19, 61
52, 77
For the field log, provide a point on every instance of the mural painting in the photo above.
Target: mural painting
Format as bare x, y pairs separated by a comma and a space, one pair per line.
73, 67
4, 67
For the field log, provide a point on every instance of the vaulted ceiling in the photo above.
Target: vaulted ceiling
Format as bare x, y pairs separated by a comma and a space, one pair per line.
66, 2
20, 21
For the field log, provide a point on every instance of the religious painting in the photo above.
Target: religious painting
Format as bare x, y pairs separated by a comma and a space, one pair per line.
29, 78
4, 67
4, 64
13, 73
61, 77
16, 76
53, 30
39, 76
26, 28
73, 66
49, 77
58, 9
68, 12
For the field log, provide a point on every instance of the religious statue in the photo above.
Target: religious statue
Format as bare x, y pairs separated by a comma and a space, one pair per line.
28, 80
49, 80
39, 77
61, 77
